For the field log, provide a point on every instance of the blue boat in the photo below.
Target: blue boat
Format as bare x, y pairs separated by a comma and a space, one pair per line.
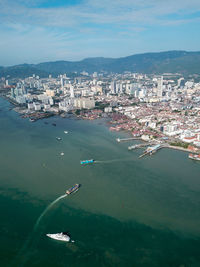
73, 189
87, 161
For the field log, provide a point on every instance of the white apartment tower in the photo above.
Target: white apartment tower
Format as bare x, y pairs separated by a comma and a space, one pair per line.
71, 91
160, 87
113, 87
61, 83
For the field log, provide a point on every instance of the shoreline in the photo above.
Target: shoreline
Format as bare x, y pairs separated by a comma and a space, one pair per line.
110, 124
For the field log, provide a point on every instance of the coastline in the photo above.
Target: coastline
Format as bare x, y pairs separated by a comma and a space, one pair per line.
112, 123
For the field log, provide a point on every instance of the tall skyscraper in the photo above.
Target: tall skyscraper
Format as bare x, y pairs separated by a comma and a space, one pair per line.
160, 87
181, 82
71, 91
61, 83
113, 87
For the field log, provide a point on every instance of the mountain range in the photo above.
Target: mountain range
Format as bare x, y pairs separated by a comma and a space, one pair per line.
183, 62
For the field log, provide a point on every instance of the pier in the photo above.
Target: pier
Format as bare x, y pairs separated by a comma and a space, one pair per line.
154, 149
126, 139
139, 146
151, 150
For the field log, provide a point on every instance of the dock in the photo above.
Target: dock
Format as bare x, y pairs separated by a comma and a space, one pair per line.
139, 146
151, 150
154, 149
127, 139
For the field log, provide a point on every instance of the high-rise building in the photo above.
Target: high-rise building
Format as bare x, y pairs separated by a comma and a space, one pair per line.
84, 103
113, 87
12, 93
61, 83
181, 82
121, 88
160, 87
71, 91
117, 88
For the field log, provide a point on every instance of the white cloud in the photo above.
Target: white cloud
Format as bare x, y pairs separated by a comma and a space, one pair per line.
97, 11
91, 28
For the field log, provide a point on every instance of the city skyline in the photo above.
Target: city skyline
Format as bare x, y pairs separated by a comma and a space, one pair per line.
40, 31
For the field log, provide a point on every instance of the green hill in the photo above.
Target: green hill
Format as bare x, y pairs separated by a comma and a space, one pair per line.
151, 63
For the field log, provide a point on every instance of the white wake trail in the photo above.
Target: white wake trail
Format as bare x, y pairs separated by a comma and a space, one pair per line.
32, 234
113, 160
46, 210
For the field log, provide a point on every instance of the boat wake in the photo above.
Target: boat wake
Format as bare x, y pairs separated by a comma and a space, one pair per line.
32, 234
46, 210
113, 160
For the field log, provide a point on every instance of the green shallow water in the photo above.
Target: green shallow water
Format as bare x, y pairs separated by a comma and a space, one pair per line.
128, 212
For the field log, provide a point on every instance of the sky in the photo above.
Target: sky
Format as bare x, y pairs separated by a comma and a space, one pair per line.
33, 31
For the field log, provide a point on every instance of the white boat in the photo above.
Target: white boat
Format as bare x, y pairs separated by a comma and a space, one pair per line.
63, 236
194, 156
62, 153
66, 132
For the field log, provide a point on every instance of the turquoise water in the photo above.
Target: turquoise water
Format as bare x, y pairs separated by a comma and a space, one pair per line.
128, 211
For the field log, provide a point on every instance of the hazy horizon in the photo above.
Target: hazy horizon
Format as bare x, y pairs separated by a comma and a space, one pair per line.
81, 59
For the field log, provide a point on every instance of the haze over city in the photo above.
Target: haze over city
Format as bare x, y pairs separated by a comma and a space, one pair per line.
38, 31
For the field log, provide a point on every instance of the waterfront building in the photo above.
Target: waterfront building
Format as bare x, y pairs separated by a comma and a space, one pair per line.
30, 106
12, 93
20, 99
84, 103
66, 105
46, 107
37, 106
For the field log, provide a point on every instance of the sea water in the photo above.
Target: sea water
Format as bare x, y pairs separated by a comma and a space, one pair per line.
128, 211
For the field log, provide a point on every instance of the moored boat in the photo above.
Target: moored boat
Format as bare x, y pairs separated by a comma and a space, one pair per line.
194, 156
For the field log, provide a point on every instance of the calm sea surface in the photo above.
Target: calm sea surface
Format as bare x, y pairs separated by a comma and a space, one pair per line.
128, 211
